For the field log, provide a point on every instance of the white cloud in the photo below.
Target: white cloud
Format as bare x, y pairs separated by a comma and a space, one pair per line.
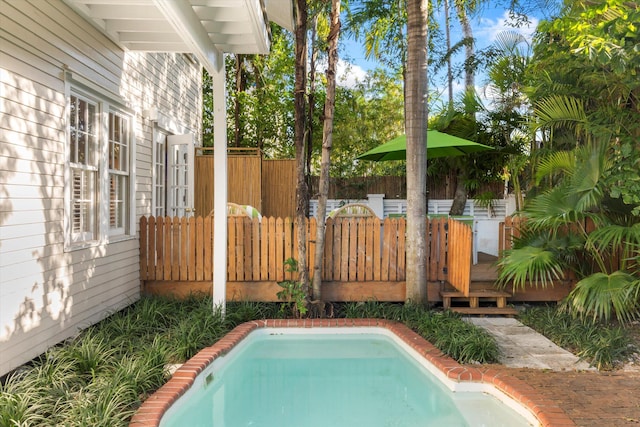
487, 29
348, 74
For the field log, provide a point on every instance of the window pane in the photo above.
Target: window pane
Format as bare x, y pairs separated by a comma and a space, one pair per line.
83, 205
119, 143
118, 196
92, 136
83, 167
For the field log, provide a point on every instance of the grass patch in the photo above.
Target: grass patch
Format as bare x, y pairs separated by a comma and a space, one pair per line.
602, 345
101, 376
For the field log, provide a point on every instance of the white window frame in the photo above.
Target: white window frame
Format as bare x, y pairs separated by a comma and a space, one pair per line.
120, 202
108, 105
159, 172
83, 164
169, 127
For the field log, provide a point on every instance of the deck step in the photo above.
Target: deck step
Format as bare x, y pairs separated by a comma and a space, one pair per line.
480, 311
474, 297
481, 293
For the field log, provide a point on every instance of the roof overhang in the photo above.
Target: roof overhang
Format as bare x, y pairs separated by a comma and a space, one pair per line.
205, 28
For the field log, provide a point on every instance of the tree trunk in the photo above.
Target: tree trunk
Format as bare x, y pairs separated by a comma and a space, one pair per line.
460, 196
260, 95
447, 27
241, 86
327, 140
467, 32
302, 191
416, 130
311, 99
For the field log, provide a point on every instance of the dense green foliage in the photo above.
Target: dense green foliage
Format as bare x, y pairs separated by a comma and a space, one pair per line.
604, 346
583, 211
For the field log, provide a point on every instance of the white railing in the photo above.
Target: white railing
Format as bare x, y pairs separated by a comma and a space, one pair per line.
498, 209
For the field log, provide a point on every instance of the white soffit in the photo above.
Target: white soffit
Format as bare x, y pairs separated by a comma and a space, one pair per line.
201, 27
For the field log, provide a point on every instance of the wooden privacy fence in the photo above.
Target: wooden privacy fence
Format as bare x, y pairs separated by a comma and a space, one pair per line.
358, 251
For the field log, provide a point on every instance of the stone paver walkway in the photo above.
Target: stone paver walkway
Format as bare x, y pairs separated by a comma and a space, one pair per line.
522, 347
590, 398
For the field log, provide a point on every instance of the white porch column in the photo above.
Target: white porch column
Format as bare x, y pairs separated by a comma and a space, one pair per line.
220, 186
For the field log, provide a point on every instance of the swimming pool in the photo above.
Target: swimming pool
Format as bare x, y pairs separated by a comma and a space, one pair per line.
216, 378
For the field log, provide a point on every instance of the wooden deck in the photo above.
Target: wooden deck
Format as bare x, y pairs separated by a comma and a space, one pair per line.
484, 276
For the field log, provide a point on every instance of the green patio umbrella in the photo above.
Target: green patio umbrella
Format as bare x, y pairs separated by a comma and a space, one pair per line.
438, 145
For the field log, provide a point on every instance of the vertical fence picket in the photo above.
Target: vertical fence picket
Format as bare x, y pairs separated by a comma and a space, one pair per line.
393, 250
159, 241
209, 233
361, 247
344, 255
272, 248
376, 249
183, 232
167, 249
368, 249
443, 242
327, 267
401, 250
191, 269
255, 249
264, 249
175, 248
239, 248
279, 238
386, 239
144, 248
199, 248
337, 248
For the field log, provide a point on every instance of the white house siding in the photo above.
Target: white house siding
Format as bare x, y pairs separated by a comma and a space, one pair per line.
46, 293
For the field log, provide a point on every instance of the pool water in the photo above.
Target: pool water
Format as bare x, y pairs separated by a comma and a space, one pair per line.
322, 380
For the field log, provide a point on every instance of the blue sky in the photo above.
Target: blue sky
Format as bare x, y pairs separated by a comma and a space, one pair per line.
485, 29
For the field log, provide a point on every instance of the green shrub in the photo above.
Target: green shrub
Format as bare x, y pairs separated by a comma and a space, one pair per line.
602, 345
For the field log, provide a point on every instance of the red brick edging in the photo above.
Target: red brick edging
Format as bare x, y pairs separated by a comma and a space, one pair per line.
548, 413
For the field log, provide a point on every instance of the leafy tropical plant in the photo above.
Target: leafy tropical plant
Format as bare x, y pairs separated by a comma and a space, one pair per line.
576, 228
582, 216
293, 293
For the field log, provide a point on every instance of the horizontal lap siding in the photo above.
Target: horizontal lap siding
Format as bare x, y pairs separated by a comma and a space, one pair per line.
47, 294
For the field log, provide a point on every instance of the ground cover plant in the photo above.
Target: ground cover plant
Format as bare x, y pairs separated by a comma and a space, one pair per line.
100, 377
603, 345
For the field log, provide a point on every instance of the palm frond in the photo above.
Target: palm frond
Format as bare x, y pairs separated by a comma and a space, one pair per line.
602, 295
617, 238
561, 112
538, 266
553, 209
558, 162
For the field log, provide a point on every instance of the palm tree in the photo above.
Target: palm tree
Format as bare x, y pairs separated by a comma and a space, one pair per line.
575, 228
416, 129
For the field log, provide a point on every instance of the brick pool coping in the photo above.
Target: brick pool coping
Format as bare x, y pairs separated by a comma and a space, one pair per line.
548, 413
